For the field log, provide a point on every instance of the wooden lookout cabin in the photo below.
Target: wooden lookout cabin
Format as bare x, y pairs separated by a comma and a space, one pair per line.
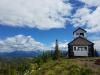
80, 45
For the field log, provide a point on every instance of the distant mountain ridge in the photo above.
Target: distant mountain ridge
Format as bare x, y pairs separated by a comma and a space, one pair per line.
21, 54
26, 53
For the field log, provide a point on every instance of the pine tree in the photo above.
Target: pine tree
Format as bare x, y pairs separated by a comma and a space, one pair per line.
56, 52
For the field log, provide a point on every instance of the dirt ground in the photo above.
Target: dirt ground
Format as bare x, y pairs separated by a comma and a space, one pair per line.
91, 62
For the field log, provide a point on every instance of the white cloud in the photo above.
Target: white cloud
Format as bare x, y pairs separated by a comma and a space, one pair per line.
20, 42
97, 45
43, 14
27, 43
92, 2
79, 18
95, 38
94, 21
88, 17
84, 17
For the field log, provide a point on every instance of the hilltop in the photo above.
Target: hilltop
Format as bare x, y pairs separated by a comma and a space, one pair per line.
62, 66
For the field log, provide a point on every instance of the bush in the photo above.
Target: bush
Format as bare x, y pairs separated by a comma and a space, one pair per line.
97, 61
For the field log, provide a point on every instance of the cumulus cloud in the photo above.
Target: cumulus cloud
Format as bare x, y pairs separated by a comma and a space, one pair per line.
20, 42
43, 14
95, 38
92, 2
97, 45
88, 17
79, 18
27, 43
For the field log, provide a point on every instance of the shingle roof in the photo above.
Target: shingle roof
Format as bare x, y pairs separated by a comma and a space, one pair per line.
80, 28
80, 41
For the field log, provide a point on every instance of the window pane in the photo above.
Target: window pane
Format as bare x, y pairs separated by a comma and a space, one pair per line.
85, 48
74, 48
82, 34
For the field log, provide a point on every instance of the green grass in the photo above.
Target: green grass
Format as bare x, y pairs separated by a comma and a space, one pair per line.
62, 66
67, 67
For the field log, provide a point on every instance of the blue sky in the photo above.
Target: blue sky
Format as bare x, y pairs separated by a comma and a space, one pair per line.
45, 36
41, 23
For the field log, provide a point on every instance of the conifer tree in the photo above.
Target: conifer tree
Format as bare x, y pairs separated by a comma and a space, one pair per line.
56, 52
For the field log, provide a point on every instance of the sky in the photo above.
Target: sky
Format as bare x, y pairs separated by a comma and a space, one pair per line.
29, 25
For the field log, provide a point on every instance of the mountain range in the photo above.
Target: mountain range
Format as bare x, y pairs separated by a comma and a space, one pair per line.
21, 53
25, 54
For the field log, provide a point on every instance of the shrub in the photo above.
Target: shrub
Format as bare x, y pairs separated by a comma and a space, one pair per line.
97, 61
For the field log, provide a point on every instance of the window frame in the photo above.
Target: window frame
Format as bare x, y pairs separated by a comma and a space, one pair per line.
82, 48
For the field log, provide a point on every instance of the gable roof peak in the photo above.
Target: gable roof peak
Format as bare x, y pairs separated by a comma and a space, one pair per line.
80, 41
79, 28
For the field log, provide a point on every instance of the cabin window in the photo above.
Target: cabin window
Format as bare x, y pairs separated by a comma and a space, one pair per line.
82, 34
74, 48
85, 48
77, 34
80, 48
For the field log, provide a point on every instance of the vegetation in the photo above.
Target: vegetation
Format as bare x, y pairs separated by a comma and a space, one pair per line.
57, 51
46, 65
50, 63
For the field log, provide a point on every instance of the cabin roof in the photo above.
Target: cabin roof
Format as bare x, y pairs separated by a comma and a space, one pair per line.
79, 29
80, 41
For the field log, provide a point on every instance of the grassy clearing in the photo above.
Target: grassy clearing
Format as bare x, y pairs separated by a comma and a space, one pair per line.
79, 66
62, 66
